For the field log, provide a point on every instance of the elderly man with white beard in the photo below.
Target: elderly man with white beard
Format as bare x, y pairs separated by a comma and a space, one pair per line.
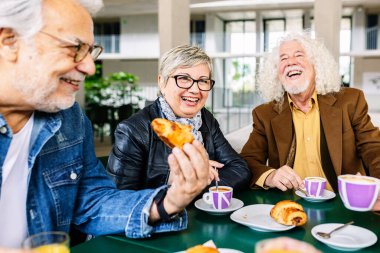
50, 178
310, 126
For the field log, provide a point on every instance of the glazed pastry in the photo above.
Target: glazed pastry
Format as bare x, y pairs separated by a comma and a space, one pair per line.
288, 212
172, 133
202, 249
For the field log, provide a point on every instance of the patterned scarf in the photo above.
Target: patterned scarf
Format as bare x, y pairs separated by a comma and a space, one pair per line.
195, 122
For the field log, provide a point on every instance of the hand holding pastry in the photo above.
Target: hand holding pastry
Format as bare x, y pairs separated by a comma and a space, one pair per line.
190, 168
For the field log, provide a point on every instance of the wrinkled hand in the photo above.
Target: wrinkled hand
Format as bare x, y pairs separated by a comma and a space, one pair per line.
376, 207
190, 169
213, 170
284, 178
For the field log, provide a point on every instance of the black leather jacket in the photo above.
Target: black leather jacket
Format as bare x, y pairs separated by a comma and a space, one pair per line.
139, 158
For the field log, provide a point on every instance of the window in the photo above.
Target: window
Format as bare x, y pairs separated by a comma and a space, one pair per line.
240, 38
372, 31
273, 30
238, 87
345, 46
107, 34
197, 33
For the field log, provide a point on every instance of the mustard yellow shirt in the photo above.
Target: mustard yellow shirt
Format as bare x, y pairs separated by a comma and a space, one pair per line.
307, 160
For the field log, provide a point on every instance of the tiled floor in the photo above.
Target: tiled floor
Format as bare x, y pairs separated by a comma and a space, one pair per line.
237, 138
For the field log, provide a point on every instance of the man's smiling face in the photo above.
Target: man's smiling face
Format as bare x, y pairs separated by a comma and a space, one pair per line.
295, 71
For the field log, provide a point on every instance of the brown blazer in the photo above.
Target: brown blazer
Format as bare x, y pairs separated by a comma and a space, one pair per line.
349, 140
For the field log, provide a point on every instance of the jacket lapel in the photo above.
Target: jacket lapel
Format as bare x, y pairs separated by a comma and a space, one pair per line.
282, 126
331, 118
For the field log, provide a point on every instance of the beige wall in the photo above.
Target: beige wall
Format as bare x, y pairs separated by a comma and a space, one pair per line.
362, 65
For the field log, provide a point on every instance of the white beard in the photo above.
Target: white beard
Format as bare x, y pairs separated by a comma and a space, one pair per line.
37, 88
296, 89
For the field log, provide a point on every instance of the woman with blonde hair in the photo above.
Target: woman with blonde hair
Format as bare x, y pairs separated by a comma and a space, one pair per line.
139, 158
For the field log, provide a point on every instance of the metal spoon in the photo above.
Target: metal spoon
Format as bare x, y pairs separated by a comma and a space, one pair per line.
304, 192
216, 182
327, 235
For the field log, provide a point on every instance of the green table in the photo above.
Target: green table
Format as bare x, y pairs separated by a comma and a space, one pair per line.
228, 234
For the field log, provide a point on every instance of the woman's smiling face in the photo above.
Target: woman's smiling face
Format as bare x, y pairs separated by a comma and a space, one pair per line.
185, 103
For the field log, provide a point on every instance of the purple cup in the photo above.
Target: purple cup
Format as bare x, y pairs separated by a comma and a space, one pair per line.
315, 186
220, 199
358, 193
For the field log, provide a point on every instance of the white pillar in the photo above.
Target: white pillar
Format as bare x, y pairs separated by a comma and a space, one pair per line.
358, 30
259, 34
358, 44
259, 25
327, 18
173, 23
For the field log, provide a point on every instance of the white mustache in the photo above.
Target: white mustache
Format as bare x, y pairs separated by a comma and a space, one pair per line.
292, 68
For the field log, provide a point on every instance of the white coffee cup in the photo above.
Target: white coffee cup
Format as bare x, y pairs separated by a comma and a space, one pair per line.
358, 193
315, 186
220, 199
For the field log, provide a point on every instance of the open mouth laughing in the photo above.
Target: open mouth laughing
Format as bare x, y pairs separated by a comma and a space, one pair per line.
191, 100
293, 71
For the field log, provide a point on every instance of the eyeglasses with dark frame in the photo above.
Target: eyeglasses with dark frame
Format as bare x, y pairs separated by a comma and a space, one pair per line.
186, 82
82, 48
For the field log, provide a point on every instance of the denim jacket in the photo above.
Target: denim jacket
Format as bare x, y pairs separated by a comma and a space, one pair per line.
68, 185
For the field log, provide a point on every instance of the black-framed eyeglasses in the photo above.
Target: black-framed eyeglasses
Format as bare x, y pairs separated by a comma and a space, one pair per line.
82, 48
186, 82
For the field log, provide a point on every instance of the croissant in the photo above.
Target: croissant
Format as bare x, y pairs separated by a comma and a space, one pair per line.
202, 249
172, 133
288, 212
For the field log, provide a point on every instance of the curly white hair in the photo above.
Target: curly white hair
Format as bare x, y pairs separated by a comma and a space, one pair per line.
327, 78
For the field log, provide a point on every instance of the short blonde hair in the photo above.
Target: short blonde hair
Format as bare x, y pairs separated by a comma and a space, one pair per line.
184, 56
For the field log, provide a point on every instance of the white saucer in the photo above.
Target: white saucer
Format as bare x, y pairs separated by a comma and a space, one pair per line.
202, 205
222, 250
257, 217
325, 196
349, 238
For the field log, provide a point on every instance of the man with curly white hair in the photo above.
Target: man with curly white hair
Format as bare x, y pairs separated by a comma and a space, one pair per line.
310, 126
50, 178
